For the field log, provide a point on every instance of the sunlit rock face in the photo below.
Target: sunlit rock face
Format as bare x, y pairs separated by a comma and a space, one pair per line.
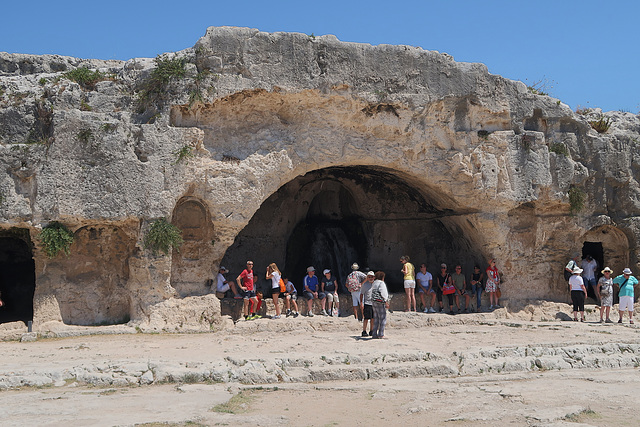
302, 151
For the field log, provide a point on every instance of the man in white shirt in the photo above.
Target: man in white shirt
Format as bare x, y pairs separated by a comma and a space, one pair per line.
224, 285
424, 280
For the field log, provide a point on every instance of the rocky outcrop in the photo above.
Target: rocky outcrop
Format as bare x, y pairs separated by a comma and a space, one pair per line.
300, 150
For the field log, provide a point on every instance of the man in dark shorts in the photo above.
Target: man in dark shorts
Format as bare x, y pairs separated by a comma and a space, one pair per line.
246, 281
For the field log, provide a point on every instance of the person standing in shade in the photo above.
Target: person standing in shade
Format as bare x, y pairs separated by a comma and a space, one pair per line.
408, 271
424, 284
355, 279
605, 293
273, 273
476, 286
493, 281
589, 267
311, 288
578, 293
380, 300
626, 283
367, 304
246, 282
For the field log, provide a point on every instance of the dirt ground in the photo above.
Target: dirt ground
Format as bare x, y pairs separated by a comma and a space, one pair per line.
538, 397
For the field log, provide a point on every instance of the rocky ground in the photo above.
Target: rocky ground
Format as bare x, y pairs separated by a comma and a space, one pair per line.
522, 368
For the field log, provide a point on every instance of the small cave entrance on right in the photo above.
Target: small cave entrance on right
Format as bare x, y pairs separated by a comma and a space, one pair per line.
609, 246
17, 278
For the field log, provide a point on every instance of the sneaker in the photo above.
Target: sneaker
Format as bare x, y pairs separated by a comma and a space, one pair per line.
364, 334
601, 321
324, 313
431, 310
288, 313
490, 307
631, 322
426, 310
296, 314
275, 317
310, 314
620, 321
256, 316
371, 333
498, 306
608, 321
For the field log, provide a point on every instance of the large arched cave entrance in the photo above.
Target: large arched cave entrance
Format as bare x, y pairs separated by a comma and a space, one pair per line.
17, 277
332, 217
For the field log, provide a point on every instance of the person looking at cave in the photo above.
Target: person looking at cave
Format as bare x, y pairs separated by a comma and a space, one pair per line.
355, 279
409, 275
246, 282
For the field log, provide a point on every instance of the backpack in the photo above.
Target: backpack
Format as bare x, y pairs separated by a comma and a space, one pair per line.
353, 283
567, 274
283, 287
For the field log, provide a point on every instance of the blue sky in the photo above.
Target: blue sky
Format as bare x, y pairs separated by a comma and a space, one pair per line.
588, 51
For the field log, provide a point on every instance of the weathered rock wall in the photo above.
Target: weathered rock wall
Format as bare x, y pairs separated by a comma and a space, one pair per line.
458, 165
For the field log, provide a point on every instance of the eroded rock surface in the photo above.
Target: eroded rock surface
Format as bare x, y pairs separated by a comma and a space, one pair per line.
271, 144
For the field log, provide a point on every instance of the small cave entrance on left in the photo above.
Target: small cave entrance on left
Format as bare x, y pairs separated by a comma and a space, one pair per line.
17, 277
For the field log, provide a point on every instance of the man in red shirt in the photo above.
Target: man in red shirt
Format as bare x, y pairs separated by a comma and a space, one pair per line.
246, 282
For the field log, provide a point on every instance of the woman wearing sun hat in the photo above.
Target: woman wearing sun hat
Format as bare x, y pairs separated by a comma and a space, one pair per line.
578, 293
626, 282
605, 293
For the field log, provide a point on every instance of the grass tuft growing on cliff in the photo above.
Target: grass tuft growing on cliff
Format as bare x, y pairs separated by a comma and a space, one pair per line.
56, 238
559, 148
601, 125
183, 153
86, 78
162, 237
577, 197
152, 89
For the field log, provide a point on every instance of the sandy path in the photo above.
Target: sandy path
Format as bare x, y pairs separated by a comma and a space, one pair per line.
328, 387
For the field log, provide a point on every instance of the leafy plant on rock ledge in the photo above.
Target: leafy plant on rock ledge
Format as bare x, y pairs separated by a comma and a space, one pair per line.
162, 237
602, 124
559, 148
577, 197
56, 238
86, 78
183, 153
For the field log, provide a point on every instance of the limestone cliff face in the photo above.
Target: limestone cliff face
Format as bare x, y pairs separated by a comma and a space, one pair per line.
270, 143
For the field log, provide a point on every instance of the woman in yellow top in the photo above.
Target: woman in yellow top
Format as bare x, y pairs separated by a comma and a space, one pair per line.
409, 272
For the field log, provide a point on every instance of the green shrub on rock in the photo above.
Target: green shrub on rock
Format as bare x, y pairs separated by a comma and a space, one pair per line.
56, 238
162, 237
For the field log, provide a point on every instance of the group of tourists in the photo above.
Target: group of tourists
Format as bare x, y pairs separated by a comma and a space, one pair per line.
582, 281
452, 285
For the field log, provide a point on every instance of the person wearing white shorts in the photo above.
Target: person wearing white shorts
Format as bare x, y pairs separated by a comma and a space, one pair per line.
626, 283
